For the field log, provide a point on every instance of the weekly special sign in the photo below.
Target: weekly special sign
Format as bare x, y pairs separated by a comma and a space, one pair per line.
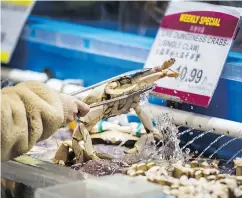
199, 37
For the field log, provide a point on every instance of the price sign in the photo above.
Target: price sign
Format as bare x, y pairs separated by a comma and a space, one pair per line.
199, 37
13, 17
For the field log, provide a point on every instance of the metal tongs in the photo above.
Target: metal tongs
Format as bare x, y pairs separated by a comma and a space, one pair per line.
118, 98
121, 97
110, 79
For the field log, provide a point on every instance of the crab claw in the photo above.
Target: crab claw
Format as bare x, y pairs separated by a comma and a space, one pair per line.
166, 65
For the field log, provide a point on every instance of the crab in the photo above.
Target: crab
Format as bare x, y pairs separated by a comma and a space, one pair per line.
124, 85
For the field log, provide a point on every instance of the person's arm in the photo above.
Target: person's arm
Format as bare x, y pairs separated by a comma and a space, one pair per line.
32, 112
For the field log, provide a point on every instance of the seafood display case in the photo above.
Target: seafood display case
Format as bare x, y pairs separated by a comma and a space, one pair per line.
110, 40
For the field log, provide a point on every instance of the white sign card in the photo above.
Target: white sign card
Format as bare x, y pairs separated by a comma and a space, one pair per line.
199, 36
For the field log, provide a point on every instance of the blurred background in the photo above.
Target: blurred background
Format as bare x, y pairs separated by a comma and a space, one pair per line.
137, 17
86, 42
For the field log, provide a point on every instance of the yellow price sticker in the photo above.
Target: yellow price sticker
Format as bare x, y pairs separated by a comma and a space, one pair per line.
16, 2
5, 57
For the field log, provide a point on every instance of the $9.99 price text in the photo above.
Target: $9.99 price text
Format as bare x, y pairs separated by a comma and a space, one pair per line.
193, 75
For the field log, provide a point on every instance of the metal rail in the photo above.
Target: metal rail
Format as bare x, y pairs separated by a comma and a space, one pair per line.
198, 121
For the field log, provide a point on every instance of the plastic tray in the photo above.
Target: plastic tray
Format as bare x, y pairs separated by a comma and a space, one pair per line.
119, 186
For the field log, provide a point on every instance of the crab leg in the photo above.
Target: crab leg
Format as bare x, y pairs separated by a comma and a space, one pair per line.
156, 76
173, 74
150, 129
81, 133
62, 152
145, 119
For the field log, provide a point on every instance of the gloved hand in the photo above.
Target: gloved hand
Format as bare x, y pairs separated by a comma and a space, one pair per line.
75, 107
32, 112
